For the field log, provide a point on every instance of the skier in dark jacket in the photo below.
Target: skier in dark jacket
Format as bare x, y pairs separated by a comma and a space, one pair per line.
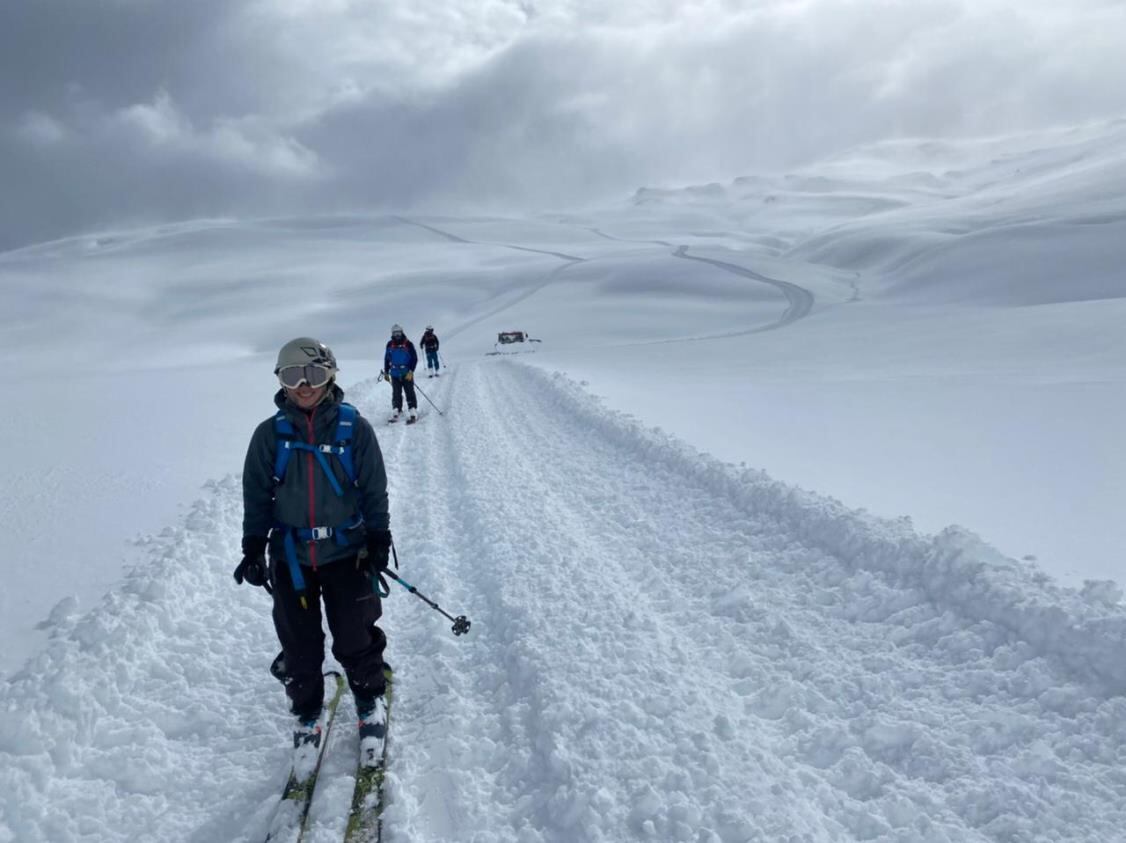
429, 344
316, 528
399, 362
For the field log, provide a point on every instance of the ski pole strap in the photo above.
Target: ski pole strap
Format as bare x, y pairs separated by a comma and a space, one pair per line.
380, 585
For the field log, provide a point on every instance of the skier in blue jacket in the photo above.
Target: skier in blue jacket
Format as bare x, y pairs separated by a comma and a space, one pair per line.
399, 362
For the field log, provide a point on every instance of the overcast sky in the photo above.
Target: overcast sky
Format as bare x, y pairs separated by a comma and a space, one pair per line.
121, 112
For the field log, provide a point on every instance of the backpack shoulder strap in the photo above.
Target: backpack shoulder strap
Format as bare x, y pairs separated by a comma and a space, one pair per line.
285, 436
345, 426
341, 447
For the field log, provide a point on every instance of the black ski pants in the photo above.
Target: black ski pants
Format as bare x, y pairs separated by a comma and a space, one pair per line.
398, 387
352, 608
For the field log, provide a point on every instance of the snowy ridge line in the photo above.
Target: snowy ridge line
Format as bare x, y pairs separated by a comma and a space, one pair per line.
1086, 631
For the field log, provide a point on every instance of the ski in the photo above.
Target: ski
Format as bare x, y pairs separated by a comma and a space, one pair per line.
365, 823
288, 823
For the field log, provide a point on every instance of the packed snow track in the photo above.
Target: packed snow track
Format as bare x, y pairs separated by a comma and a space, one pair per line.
663, 648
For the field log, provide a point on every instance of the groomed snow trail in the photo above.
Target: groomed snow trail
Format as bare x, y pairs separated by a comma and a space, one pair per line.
663, 648
651, 659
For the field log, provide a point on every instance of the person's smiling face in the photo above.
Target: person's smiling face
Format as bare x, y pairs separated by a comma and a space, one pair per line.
305, 396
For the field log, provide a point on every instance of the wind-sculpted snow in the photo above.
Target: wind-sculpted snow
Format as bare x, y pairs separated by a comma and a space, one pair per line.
664, 647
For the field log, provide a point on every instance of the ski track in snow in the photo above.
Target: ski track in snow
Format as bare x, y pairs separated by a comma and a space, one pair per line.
550, 277
800, 299
509, 303
663, 648
606, 236
454, 238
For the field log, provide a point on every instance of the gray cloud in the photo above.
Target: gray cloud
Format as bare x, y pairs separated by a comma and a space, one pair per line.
138, 110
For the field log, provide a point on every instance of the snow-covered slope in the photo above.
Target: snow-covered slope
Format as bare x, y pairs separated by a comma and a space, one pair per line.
933, 221
663, 647
671, 639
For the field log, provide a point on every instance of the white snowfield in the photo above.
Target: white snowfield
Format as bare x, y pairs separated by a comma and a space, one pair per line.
666, 644
664, 647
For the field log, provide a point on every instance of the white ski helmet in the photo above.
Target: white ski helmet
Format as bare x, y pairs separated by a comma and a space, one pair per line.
303, 351
430, 327
396, 329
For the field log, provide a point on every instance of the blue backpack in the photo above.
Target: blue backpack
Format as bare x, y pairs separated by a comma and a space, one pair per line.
288, 442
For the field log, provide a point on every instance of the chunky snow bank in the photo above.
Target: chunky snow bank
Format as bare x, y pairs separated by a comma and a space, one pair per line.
955, 570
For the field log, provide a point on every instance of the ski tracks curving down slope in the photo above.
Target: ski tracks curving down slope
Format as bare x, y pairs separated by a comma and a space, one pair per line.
799, 300
663, 648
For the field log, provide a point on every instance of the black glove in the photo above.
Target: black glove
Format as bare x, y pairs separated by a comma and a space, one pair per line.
253, 567
376, 551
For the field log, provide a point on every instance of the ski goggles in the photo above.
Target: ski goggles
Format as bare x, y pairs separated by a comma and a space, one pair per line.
313, 374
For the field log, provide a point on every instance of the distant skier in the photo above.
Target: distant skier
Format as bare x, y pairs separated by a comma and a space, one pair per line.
316, 527
429, 343
399, 362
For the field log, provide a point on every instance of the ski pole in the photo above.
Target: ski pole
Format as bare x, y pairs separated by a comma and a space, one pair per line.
461, 622
427, 397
